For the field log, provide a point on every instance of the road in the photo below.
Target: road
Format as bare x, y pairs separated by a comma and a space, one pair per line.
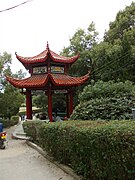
20, 162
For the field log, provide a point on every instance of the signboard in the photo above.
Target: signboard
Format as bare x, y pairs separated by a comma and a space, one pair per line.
60, 91
39, 70
35, 92
57, 69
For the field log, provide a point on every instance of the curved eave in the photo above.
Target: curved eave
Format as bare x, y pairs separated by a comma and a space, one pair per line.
26, 61
40, 81
31, 82
42, 57
61, 59
65, 80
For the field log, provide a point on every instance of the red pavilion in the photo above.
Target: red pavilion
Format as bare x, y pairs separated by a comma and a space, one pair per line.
49, 73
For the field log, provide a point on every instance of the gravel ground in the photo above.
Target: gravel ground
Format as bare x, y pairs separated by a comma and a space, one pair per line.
21, 162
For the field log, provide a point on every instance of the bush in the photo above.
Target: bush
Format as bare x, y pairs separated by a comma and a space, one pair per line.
104, 108
15, 118
13, 121
31, 128
106, 89
94, 149
106, 100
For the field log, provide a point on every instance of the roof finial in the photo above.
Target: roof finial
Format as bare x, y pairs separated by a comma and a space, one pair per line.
47, 46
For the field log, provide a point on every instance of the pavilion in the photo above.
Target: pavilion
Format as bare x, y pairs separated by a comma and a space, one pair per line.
48, 73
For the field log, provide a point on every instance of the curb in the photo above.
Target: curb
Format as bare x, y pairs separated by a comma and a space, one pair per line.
65, 168
19, 136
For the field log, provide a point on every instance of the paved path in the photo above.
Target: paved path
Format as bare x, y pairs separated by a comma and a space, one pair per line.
20, 162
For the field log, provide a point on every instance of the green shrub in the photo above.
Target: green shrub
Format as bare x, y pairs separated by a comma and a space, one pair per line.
15, 118
13, 121
31, 129
106, 89
106, 100
104, 108
94, 149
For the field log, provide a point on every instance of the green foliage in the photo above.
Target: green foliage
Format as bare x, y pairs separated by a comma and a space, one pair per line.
124, 21
113, 58
110, 59
81, 42
5, 61
40, 101
104, 108
19, 74
94, 149
106, 89
14, 118
7, 123
10, 102
59, 103
10, 98
106, 100
31, 128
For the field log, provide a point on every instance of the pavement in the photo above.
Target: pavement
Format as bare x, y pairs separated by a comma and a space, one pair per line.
19, 133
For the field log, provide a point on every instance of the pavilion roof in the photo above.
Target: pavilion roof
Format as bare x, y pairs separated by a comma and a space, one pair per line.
40, 81
43, 56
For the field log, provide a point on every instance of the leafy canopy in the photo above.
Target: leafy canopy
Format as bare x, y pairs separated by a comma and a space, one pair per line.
81, 42
10, 97
114, 57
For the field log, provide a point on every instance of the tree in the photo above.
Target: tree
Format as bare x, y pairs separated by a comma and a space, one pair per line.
40, 101
58, 103
125, 21
19, 74
114, 57
5, 61
81, 42
10, 99
10, 102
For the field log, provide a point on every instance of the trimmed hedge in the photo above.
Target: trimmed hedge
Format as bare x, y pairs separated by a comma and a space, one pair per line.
31, 128
94, 149
7, 123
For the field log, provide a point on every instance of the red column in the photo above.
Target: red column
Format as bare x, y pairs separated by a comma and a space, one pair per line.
70, 102
49, 94
67, 105
28, 104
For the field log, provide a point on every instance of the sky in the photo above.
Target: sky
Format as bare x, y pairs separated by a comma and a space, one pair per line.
27, 28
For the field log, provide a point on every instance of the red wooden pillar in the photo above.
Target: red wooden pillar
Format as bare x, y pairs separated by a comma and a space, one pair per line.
67, 105
70, 102
28, 104
49, 94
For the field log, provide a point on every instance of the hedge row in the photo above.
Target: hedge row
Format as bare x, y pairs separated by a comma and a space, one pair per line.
32, 128
94, 149
7, 123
